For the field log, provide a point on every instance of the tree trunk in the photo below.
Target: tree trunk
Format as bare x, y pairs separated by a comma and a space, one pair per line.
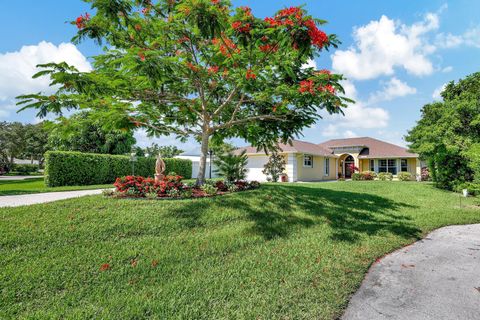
203, 159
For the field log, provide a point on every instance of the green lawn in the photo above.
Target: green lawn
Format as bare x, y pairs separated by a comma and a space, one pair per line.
37, 185
291, 251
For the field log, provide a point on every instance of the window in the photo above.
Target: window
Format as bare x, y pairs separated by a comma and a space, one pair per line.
403, 165
387, 165
372, 165
308, 161
327, 166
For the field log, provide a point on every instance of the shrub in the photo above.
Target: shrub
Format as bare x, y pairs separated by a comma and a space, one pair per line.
473, 188
275, 166
209, 189
25, 169
405, 176
384, 176
356, 176
365, 175
139, 186
221, 186
425, 174
63, 168
232, 167
254, 184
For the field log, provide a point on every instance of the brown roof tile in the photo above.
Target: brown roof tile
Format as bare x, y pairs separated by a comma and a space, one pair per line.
296, 147
376, 148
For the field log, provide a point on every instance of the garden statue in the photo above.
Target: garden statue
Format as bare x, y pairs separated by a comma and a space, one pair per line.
159, 169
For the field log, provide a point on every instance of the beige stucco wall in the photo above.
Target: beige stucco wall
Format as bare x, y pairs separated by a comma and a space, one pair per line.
316, 173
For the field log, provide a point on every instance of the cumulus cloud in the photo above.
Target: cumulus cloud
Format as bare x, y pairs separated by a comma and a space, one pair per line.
17, 69
359, 115
436, 93
311, 63
383, 45
392, 89
470, 37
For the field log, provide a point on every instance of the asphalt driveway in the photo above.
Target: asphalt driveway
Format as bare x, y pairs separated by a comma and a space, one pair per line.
435, 278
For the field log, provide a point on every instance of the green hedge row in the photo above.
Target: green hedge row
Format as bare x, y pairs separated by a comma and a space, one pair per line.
68, 168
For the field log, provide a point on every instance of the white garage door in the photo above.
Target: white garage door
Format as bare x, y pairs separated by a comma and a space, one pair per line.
255, 167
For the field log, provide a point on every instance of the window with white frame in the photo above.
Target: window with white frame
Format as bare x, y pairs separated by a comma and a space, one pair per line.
308, 161
372, 165
327, 166
403, 165
387, 165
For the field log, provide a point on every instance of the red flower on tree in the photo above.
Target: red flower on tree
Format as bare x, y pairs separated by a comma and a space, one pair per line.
250, 75
82, 20
213, 69
307, 86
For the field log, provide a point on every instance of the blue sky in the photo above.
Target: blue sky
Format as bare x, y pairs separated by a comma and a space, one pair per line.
395, 54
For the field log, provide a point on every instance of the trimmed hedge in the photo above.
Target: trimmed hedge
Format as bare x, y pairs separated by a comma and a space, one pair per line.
69, 168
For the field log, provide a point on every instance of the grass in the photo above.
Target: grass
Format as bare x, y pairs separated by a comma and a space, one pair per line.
290, 251
37, 185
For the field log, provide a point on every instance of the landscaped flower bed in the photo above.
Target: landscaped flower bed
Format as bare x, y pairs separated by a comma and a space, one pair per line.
171, 186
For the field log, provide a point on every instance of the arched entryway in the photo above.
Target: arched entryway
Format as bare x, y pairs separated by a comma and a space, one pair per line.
346, 162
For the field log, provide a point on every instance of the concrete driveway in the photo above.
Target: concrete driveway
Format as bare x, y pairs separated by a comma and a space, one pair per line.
35, 198
435, 278
10, 178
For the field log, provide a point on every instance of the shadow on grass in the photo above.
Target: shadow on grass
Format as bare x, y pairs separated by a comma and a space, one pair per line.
281, 210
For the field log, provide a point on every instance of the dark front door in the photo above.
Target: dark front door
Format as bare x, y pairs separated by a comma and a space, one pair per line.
349, 164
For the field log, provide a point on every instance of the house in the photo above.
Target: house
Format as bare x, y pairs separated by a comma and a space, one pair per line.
333, 159
210, 171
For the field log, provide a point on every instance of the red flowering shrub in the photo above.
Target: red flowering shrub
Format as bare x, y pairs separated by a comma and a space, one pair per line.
221, 186
140, 186
241, 185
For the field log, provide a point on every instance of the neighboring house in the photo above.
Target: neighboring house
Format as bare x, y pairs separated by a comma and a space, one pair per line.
196, 166
332, 159
24, 161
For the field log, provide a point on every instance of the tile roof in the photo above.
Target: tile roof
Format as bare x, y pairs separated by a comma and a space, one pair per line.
376, 148
296, 147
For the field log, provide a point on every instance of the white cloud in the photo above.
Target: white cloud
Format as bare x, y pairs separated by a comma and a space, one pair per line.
349, 134
436, 93
17, 69
470, 37
357, 116
392, 89
330, 130
447, 69
311, 63
383, 45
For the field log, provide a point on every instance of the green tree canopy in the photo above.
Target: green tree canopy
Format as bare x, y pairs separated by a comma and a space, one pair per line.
198, 68
448, 133
165, 151
82, 133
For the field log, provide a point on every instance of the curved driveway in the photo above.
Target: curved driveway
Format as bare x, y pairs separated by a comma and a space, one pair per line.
435, 278
34, 198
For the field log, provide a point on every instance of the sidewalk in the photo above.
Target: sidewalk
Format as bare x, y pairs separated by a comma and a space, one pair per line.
35, 198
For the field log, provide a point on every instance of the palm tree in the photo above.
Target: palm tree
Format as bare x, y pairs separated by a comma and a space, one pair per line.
232, 167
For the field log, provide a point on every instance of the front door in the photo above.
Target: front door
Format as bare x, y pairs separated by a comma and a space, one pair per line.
349, 163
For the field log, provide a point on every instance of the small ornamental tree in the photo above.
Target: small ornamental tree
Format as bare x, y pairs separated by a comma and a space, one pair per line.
198, 68
274, 167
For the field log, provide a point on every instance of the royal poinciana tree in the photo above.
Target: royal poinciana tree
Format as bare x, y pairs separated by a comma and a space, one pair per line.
198, 68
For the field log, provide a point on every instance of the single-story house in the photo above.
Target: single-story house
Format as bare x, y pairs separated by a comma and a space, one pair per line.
332, 159
210, 171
